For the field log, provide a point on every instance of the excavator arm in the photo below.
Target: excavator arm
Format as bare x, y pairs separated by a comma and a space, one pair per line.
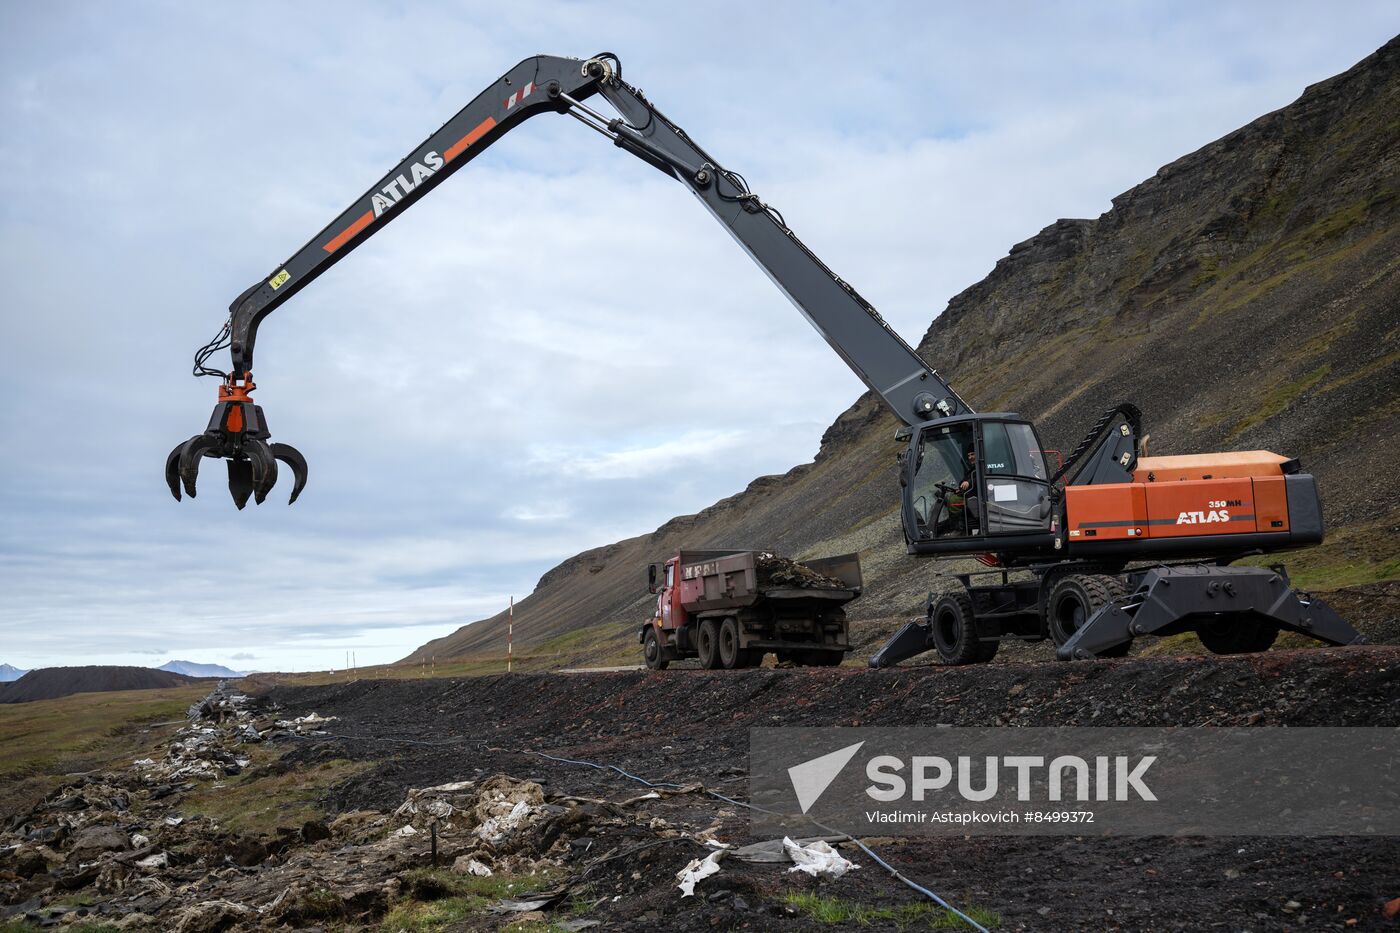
238, 431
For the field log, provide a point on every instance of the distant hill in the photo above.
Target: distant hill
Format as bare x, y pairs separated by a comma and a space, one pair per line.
9, 672
191, 669
1245, 297
51, 682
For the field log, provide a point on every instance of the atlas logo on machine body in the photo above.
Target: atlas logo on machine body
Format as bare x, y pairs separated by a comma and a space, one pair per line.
394, 191
1219, 511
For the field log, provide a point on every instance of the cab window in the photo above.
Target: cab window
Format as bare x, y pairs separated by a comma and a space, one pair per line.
939, 497
1012, 450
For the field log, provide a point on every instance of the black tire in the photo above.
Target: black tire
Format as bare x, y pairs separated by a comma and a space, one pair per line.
815, 657
1074, 599
1237, 635
730, 654
986, 650
955, 630
707, 644
651, 651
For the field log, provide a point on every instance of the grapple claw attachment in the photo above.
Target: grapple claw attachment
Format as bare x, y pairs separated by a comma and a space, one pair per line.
197, 447
264, 468
172, 471
240, 481
238, 433
293, 458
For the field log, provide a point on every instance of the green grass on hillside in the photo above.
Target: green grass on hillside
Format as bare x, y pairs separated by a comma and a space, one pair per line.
35, 737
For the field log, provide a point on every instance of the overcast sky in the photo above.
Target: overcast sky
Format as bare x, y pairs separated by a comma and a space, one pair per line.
556, 349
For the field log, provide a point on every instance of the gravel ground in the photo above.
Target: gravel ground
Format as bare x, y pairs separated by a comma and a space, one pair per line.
688, 726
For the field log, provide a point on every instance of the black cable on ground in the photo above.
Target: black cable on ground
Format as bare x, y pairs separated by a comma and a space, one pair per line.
894, 872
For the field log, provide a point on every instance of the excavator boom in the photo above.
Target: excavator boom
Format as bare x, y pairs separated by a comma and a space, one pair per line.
854, 329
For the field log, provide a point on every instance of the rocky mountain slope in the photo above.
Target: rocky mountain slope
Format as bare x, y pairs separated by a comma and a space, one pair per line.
1246, 296
50, 682
9, 672
195, 669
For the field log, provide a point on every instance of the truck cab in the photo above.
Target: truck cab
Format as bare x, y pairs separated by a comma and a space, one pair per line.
661, 580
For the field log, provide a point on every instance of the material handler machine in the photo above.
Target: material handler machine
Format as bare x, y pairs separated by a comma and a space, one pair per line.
1109, 545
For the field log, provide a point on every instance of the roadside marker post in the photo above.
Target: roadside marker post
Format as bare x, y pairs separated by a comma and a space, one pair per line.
510, 634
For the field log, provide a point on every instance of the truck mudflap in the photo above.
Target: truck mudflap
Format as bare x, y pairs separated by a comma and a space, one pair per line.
912, 639
1167, 600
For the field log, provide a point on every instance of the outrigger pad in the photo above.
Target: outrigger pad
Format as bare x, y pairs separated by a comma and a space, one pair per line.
914, 638
1167, 600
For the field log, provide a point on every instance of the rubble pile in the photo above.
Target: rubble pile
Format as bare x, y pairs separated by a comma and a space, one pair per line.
127, 847
121, 839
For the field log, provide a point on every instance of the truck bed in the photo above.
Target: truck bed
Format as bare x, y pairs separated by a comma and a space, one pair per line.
715, 580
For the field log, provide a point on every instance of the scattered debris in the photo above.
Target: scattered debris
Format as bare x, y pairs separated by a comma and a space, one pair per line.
698, 870
466, 865
817, 859
308, 724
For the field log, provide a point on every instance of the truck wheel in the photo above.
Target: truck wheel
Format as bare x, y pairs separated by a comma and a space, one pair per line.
651, 652
816, 658
955, 630
1074, 599
1237, 635
707, 644
730, 654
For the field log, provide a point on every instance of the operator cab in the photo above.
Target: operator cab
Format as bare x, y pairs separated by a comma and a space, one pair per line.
974, 484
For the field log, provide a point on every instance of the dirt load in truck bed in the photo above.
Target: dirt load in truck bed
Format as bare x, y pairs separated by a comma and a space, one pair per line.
780, 572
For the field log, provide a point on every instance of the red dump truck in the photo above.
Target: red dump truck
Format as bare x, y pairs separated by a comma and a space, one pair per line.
730, 608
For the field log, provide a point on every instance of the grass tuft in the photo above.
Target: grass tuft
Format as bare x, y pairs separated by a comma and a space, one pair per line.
920, 915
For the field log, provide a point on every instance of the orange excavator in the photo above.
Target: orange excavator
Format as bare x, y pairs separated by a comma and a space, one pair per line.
1108, 545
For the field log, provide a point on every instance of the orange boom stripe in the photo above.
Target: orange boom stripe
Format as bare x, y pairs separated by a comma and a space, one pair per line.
460, 146
344, 236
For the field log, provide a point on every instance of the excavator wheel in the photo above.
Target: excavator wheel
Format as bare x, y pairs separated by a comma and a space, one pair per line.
730, 654
954, 629
1074, 599
1237, 635
651, 651
707, 644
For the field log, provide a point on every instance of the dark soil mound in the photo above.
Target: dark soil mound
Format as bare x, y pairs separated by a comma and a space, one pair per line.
52, 682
